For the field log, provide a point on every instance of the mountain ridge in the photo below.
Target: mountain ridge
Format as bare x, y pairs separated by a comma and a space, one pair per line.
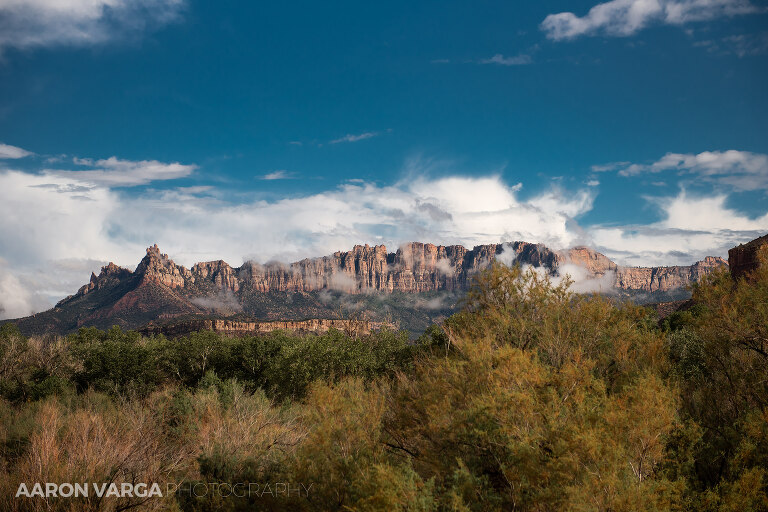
160, 289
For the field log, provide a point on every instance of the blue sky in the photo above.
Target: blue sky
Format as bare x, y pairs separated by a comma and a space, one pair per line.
243, 130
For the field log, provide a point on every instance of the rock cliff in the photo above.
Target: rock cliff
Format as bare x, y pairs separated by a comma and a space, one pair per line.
415, 285
742, 259
665, 278
247, 328
413, 268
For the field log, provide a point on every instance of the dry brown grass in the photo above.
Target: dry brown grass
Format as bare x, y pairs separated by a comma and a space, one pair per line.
102, 440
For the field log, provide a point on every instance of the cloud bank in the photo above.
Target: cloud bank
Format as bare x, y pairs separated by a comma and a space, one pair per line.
41, 23
61, 225
619, 18
51, 217
740, 170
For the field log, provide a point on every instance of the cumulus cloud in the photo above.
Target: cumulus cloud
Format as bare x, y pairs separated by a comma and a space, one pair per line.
113, 172
40, 23
741, 170
12, 152
692, 227
517, 60
627, 17
48, 219
354, 138
59, 227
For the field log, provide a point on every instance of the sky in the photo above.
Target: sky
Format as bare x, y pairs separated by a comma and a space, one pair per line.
283, 130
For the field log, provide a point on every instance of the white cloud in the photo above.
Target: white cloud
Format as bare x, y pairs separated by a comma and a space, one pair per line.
277, 175
53, 217
518, 60
12, 152
741, 170
58, 229
627, 17
40, 23
354, 138
692, 228
114, 172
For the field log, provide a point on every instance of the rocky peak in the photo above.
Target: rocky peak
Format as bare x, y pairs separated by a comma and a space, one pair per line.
109, 275
596, 263
222, 275
159, 268
711, 261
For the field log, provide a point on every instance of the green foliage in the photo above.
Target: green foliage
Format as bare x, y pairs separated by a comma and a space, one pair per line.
115, 361
531, 398
683, 319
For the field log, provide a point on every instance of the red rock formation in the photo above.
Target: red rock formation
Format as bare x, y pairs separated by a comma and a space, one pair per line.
245, 328
596, 263
161, 269
742, 259
414, 268
665, 278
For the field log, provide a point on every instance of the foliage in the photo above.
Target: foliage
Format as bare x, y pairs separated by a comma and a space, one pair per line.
531, 398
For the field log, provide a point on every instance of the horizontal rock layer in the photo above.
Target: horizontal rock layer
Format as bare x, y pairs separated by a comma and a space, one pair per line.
244, 328
413, 268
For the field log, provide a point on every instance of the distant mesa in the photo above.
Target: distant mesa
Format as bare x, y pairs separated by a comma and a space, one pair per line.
414, 285
228, 327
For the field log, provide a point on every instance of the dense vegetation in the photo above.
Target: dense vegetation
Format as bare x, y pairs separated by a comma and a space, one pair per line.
530, 398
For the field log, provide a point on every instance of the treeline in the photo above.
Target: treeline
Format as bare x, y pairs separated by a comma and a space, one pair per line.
125, 364
531, 398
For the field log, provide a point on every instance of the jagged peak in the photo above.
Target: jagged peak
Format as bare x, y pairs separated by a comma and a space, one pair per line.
111, 269
154, 259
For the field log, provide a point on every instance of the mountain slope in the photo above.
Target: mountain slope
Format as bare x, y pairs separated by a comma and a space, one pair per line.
413, 286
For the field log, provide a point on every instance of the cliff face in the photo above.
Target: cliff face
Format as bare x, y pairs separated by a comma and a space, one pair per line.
430, 279
245, 328
595, 263
742, 259
666, 278
413, 268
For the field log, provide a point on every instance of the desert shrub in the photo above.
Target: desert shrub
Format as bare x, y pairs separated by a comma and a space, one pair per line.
524, 309
531, 398
721, 359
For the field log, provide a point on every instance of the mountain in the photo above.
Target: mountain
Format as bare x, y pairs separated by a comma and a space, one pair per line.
411, 287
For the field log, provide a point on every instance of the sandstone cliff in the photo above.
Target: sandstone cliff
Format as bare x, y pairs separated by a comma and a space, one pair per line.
665, 278
247, 328
413, 268
414, 286
742, 259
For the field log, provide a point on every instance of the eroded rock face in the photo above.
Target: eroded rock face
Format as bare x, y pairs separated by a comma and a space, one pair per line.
161, 269
665, 278
413, 268
742, 259
219, 272
246, 328
596, 263
109, 276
